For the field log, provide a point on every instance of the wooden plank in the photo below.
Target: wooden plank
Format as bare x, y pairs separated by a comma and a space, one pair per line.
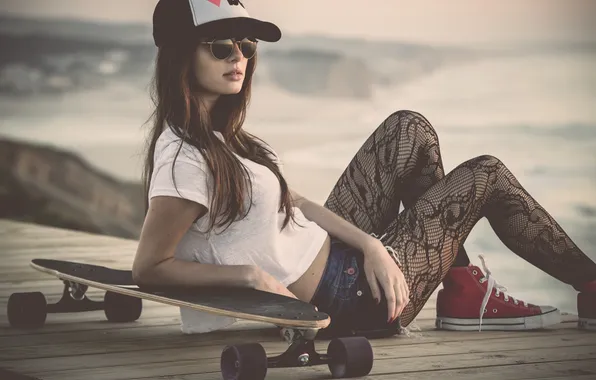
119, 253
97, 295
385, 349
13, 230
383, 365
83, 321
121, 332
67, 332
560, 370
91, 326
150, 310
23, 265
95, 321
69, 251
9, 375
126, 340
67, 248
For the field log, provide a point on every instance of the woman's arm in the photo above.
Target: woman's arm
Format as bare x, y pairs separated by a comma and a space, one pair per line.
167, 220
333, 223
381, 274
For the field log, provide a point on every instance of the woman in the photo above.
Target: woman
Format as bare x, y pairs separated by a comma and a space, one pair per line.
221, 213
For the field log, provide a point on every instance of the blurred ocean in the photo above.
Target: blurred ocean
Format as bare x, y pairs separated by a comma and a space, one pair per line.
533, 107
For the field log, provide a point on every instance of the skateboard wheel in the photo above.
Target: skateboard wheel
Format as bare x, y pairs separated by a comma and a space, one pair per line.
244, 362
122, 308
27, 310
350, 357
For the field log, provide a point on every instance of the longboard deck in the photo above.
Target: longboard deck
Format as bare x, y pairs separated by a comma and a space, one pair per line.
242, 303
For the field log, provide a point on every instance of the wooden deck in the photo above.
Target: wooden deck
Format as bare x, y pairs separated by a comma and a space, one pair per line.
85, 346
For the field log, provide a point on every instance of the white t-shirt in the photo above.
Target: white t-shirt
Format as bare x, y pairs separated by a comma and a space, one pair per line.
253, 240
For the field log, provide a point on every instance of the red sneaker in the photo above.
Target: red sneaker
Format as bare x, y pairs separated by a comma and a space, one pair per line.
586, 307
470, 300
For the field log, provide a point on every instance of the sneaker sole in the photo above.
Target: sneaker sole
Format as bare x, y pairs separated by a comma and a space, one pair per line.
586, 324
500, 324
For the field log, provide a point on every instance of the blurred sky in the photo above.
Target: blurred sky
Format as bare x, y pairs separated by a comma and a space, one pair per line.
435, 21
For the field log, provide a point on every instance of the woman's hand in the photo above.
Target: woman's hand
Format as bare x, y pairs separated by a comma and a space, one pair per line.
262, 280
381, 269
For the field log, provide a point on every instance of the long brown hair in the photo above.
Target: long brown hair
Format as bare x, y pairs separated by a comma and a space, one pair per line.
177, 104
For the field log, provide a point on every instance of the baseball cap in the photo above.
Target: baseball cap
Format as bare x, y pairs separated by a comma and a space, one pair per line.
176, 20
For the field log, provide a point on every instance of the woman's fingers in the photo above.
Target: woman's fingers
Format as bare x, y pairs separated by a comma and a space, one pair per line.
391, 298
399, 302
392, 284
404, 295
374, 286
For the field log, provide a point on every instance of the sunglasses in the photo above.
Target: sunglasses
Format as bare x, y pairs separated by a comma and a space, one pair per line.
223, 49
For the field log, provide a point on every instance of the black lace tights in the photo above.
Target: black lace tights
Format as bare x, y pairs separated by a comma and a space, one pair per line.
401, 161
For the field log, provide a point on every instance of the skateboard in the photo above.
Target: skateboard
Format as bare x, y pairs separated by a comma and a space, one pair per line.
300, 321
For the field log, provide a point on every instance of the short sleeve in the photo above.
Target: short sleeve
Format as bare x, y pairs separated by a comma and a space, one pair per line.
180, 172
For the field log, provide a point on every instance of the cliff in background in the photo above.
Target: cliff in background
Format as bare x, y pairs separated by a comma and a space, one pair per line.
52, 187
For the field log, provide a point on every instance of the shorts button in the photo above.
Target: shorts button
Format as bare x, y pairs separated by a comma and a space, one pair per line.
359, 293
351, 271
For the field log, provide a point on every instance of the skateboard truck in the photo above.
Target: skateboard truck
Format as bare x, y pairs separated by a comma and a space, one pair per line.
346, 357
74, 300
30, 310
301, 351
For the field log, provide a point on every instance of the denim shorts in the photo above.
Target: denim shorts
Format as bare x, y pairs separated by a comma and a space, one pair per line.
345, 295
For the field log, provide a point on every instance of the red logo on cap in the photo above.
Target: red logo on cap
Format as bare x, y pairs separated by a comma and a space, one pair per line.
216, 2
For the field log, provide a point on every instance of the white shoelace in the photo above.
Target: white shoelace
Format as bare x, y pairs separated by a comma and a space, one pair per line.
388, 248
492, 284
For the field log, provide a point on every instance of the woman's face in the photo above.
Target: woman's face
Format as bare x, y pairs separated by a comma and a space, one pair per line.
223, 76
